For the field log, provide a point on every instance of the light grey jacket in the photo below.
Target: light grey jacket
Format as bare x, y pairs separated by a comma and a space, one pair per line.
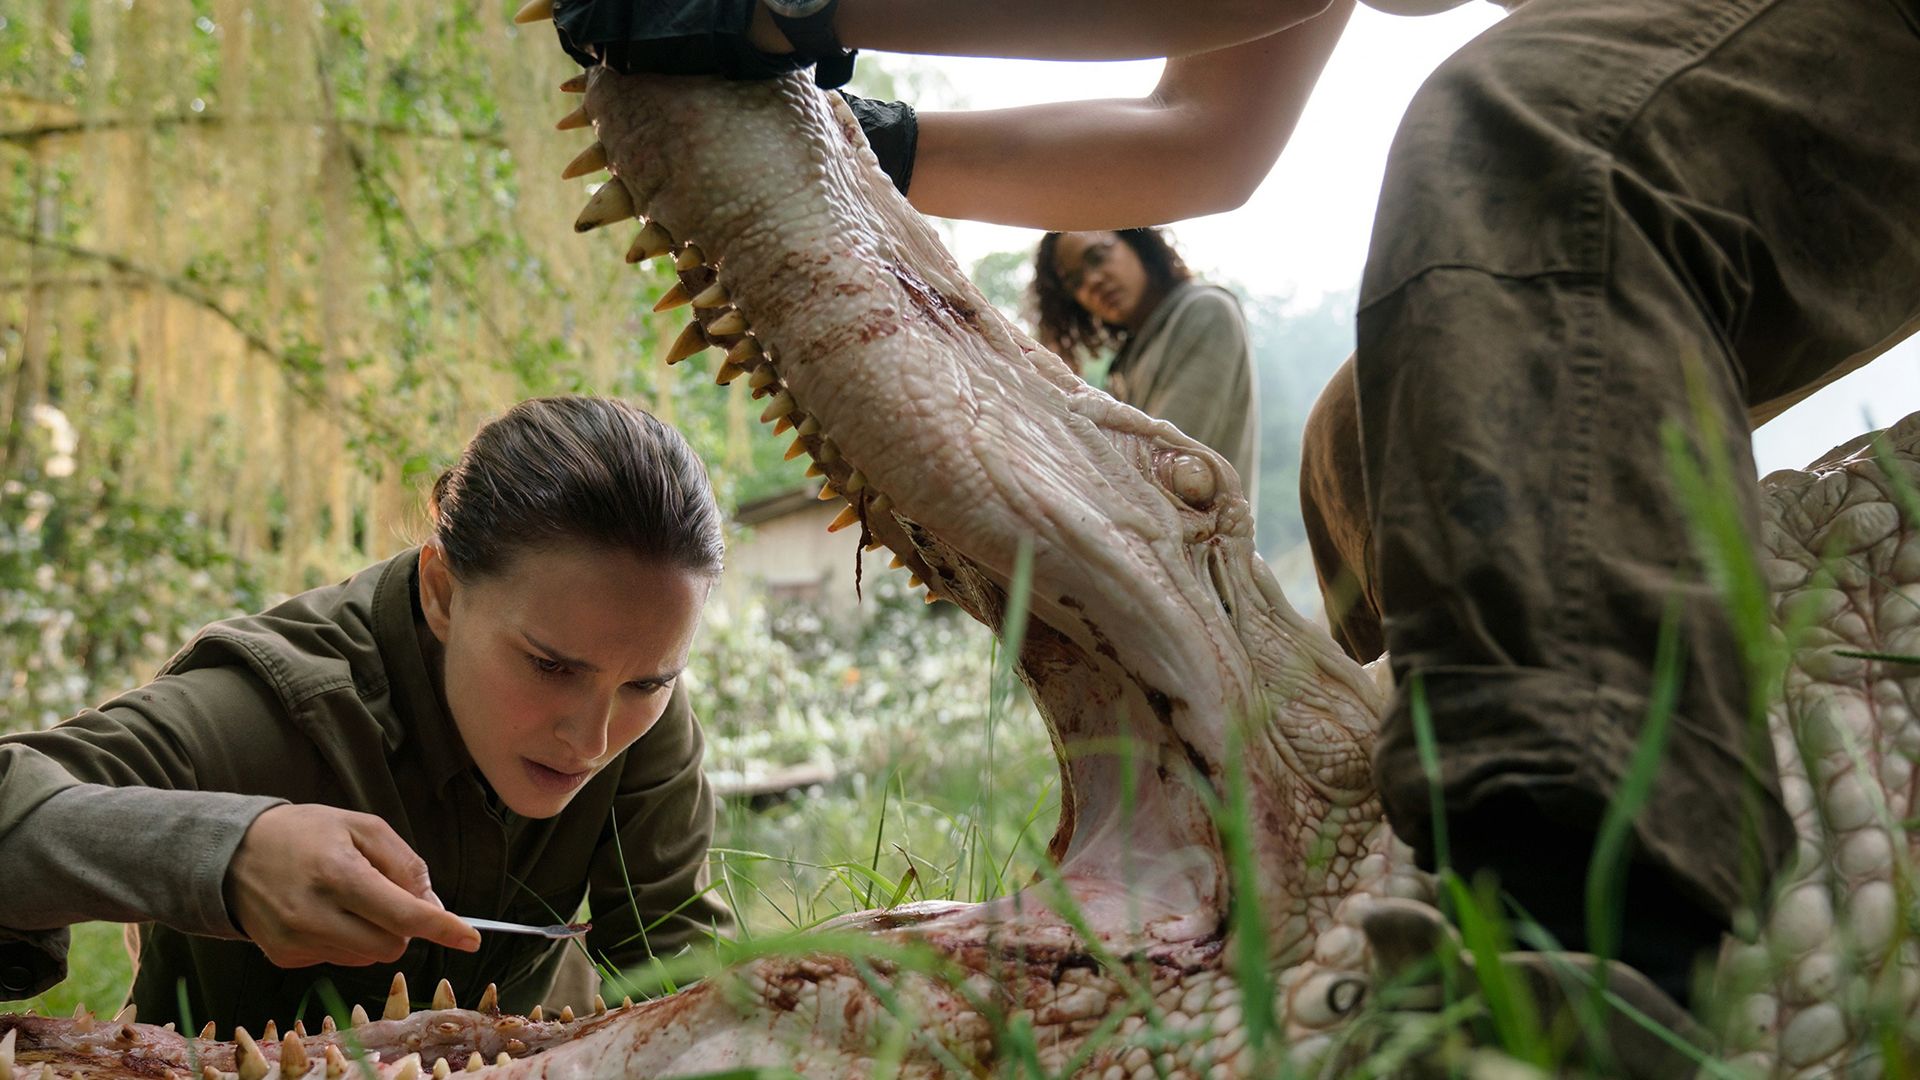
1190, 365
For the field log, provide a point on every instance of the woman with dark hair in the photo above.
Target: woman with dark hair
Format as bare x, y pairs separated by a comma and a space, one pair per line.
1180, 346
489, 724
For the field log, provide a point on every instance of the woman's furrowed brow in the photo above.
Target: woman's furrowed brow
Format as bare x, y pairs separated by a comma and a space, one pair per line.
557, 656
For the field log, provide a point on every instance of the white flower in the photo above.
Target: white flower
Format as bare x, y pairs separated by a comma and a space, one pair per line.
59, 429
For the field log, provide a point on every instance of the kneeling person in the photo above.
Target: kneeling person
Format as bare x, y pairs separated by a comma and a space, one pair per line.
490, 724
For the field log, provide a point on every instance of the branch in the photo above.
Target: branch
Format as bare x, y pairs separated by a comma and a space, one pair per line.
300, 376
29, 136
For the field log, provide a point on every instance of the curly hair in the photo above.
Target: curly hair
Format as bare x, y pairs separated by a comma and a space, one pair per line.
1069, 329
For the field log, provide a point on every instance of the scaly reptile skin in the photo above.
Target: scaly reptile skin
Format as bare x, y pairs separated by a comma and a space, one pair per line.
957, 440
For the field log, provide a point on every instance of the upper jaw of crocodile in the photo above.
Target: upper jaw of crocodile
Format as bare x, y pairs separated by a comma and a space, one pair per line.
1159, 645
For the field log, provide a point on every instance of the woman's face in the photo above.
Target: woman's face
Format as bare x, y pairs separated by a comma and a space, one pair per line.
558, 661
1105, 276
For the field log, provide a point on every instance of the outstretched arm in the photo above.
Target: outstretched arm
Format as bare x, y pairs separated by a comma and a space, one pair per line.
1061, 29
1199, 144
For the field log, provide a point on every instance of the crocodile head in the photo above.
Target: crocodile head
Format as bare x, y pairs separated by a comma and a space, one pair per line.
1158, 648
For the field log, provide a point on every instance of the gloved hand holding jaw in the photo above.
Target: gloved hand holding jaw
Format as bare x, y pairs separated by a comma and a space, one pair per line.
716, 37
700, 37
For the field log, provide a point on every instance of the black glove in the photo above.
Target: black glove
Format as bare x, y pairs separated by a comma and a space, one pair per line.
892, 131
701, 37
31, 962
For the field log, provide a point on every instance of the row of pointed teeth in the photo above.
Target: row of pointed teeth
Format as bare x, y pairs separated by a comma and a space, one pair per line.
294, 1061
716, 318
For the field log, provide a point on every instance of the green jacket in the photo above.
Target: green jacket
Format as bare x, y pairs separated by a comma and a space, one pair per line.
131, 812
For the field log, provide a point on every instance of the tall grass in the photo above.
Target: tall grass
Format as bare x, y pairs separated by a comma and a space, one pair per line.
948, 787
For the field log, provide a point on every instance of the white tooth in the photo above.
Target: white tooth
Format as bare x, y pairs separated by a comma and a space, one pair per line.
691, 341
293, 1058
810, 426
443, 996
609, 204
397, 1002
730, 323
713, 296
534, 11
251, 1062
652, 241
590, 160
763, 377
689, 257
781, 405
746, 352
678, 296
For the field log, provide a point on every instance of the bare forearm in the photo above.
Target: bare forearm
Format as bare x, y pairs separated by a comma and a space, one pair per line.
1064, 29
1060, 166
1199, 145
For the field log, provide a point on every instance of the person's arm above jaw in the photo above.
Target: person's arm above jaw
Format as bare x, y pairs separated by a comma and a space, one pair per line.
1057, 29
1200, 144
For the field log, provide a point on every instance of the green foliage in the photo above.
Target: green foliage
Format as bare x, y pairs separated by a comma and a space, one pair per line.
1002, 277
96, 582
1296, 349
900, 706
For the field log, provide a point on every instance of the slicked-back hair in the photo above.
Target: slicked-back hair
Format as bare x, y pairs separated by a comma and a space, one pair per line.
1070, 330
589, 470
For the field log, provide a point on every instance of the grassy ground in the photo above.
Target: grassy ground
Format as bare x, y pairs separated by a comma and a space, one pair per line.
944, 773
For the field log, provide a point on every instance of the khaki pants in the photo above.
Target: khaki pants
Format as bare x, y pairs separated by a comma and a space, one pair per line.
1592, 212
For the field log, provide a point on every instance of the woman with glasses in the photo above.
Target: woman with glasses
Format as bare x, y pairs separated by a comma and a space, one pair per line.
1179, 346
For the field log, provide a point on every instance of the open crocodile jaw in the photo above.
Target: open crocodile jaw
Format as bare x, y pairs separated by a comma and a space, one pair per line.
1155, 625
1142, 564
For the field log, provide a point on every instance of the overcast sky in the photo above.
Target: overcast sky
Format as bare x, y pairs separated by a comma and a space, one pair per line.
1304, 232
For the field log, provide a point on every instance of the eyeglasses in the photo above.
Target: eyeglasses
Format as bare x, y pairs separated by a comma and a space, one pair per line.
1092, 257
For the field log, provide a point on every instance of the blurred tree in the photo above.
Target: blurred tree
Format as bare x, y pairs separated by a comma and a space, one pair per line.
265, 264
